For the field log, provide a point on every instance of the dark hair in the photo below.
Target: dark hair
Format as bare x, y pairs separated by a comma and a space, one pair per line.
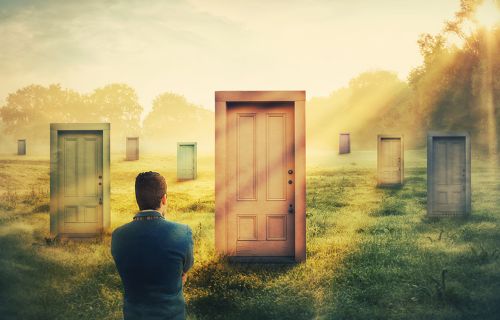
149, 189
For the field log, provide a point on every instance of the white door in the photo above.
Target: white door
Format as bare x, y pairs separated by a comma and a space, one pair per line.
186, 161
449, 176
390, 168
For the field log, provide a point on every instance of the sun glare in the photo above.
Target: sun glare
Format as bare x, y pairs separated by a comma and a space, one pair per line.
488, 14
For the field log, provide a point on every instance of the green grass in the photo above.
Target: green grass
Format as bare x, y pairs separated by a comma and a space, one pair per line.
371, 252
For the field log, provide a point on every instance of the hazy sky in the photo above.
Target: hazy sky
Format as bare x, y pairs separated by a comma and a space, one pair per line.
194, 47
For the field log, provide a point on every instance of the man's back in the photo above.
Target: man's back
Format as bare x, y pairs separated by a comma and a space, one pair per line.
151, 255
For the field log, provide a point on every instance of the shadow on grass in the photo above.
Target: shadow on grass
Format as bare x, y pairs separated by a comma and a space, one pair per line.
35, 287
226, 290
438, 268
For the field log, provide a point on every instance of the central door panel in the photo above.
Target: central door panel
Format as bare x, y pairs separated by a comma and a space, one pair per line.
260, 171
449, 175
390, 161
80, 183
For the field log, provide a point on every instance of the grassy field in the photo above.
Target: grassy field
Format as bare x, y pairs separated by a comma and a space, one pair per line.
371, 253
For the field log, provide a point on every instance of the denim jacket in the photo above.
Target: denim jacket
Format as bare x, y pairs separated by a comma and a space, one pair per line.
151, 254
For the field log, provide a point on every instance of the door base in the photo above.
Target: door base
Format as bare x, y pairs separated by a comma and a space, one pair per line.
267, 260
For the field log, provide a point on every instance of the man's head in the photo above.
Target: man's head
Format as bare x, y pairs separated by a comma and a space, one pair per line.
151, 191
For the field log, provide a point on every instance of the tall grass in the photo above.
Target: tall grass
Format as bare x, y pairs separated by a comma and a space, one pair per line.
371, 252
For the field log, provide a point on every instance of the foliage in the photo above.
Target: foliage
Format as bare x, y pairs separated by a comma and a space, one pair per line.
173, 119
29, 111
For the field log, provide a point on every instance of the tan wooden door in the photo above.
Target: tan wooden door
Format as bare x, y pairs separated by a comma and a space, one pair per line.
79, 181
260, 183
390, 161
449, 163
344, 143
133, 148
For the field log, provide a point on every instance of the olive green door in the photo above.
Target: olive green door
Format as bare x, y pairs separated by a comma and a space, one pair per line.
186, 161
21, 147
79, 179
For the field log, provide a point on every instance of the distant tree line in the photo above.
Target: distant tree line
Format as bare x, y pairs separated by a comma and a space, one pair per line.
29, 111
457, 87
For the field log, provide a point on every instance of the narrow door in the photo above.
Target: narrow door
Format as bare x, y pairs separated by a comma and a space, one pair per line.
132, 148
449, 164
186, 168
390, 161
21, 147
260, 171
80, 182
344, 143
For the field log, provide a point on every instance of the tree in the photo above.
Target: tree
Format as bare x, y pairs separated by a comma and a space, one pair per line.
118, 104
173, 119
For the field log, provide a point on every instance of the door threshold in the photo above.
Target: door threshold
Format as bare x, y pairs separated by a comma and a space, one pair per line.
262, 259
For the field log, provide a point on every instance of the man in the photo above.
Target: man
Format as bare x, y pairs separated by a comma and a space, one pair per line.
152, 255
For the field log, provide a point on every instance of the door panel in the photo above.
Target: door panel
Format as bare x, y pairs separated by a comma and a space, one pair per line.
390, 161
79, 178
260, 153
246, 157
449, 175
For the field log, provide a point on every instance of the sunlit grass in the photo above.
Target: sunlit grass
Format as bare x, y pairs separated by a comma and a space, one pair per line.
371, 252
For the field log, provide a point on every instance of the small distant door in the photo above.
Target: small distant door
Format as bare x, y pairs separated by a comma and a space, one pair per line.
21, 147
390, 160
79, 172
449, 175
186, 161
344, 143
132, 148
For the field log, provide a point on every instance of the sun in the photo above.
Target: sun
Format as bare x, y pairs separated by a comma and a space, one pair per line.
488, 13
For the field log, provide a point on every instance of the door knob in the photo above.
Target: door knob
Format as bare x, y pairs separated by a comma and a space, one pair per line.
290, 171
290, 181
290, 209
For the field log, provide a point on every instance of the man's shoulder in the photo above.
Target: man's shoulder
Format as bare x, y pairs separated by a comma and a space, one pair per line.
180, 227
121, 229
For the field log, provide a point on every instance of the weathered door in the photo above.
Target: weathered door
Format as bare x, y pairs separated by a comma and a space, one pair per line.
21, 147
390, 160
344, 143
79, 179
449, 175
186, 161
132, 148
260, 171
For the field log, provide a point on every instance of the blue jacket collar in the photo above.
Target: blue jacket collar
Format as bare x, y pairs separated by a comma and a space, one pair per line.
148, 213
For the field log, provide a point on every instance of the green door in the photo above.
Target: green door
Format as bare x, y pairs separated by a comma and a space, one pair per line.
79, 179
186, 161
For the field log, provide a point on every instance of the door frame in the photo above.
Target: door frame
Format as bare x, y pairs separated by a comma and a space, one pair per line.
222, 98
55, 128
430, 168
380, 137
136, 156
195, 158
